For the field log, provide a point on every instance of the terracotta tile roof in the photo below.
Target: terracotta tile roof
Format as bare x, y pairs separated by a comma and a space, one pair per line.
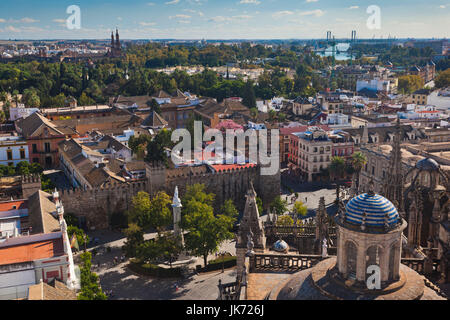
223, 167
50, 291
8, 205
31, 251
40, 213
33, 124
154, 120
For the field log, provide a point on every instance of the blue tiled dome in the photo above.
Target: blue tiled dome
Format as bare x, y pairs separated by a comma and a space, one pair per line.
280, 246
427, 164
375, 208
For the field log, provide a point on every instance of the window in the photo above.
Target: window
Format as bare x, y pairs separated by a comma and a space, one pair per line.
47, 147
35, 148
9, 153
22, 154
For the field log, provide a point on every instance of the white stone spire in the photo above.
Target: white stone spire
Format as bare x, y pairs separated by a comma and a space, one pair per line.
176, 200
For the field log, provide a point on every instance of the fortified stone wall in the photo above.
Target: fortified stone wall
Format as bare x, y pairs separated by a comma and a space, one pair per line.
97, 205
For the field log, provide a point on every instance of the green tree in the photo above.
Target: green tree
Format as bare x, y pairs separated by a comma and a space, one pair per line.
90, 286
154, 106
300, 208
359, 160
151, 213
205, 230
285, 221
82, 238
170, 247
259, 203
156, 148
229, 209
443, 79
278, 206
248, 95
410, 83
85, 100
30, 98
198, 193
135, 238
337, 167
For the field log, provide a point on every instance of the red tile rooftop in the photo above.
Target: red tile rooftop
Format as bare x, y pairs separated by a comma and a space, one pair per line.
31, 251
13, 205
223, 167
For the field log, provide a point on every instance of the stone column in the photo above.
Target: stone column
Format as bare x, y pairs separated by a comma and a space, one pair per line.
176, 205
384, 264
361, 262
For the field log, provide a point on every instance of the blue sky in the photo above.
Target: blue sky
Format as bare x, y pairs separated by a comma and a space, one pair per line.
223, 19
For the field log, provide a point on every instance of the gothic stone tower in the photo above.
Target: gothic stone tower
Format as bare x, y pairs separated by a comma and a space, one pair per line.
393, 188
250, 223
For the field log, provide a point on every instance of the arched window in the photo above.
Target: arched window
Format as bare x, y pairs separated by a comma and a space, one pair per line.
373, 256
350, 249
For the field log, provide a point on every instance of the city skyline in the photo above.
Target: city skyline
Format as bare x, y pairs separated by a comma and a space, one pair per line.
211, 19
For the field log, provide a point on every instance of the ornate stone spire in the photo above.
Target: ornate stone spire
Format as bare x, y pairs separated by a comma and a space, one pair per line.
365, 136
176, 200
251, 222
393, 187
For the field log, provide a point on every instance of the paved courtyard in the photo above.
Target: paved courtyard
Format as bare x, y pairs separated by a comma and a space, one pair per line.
126, 285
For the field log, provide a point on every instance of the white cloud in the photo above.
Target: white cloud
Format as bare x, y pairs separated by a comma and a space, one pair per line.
59, 20
281, 14
151, 4
354, 7
312, 0
173, 2
24, 20
220, 19
242, 17
250, 2
147, 24
442, 6
2, 20
317, 13
180, 16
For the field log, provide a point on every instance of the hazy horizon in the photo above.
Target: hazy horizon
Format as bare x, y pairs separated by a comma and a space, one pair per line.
224, 20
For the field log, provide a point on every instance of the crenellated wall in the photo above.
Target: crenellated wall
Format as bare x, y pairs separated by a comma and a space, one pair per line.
96, 205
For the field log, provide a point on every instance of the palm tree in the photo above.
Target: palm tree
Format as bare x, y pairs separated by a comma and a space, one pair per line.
337, 167
359, 160
337, 170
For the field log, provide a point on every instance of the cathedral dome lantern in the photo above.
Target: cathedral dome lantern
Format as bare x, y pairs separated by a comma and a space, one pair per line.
370, 233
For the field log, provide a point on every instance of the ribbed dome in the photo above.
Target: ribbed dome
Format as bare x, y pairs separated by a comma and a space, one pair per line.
280, 246
374, 206
427, 164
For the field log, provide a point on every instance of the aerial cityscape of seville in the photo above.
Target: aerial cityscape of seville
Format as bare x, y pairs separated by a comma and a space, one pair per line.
235, 151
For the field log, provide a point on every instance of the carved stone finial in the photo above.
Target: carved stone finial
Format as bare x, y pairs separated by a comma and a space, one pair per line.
363, 223
250, 244
386, 221
371, 191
